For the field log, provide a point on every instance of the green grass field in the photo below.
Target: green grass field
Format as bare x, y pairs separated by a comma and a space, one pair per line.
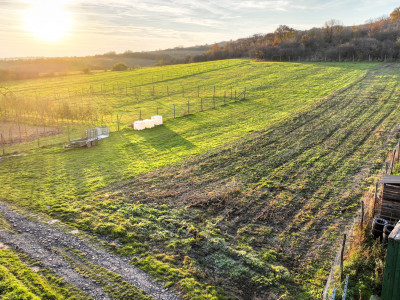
52, 175
275, 87
204, 189
19, 280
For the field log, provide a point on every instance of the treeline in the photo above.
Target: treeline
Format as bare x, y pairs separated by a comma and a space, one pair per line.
8, 75
377, 40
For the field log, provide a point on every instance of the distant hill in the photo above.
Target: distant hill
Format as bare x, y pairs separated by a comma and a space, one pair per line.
377, 40
24, 68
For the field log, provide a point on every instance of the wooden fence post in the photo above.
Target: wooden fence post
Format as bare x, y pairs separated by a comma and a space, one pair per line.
398, 150
37, 134
3, 144
10, 137
214, 93
188, 105
362, 214
174, 111
393, 161
375, 198
201, 104
341, 255
69, 139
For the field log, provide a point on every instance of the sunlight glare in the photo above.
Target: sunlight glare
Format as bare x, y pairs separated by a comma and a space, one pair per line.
47, 20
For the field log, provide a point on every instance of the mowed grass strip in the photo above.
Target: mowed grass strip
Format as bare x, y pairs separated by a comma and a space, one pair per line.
21, 278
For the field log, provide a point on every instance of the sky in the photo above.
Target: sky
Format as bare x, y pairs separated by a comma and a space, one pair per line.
36, 28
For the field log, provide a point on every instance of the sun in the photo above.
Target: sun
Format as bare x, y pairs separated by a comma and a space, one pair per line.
47, 20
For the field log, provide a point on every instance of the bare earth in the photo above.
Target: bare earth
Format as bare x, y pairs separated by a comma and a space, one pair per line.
14, 133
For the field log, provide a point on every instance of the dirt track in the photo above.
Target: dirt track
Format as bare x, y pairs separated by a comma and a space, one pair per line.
46, 244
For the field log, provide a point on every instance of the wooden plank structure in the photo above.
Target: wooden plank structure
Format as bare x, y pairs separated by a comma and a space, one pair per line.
390, 205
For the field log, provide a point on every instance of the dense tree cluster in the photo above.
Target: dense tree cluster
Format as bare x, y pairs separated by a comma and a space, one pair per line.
377, 40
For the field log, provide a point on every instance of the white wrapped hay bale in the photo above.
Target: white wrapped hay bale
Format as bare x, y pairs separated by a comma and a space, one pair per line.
157, 120
148, 123
139, 125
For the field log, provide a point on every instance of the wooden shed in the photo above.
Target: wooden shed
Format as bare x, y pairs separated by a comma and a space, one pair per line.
390, 205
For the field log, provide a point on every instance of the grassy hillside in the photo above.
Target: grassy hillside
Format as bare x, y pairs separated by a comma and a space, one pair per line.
246, 215
97, 98
53, 175
260, 187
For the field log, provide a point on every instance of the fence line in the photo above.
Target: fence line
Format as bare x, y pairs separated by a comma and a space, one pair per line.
366, 213
15, 139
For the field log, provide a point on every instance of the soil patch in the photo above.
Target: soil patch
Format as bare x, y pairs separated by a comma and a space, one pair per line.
15, 133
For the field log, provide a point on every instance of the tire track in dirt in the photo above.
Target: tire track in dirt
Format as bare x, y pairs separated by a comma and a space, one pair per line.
44, 243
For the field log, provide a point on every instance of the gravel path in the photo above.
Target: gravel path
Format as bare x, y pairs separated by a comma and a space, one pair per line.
43, 243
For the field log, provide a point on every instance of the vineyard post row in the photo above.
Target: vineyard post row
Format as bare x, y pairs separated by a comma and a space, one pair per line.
61, 121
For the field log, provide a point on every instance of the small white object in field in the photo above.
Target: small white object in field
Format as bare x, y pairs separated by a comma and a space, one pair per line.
98, 131
139, 125
148, 123
157, 120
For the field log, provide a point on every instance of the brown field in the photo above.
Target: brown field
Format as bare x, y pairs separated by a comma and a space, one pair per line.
13, 133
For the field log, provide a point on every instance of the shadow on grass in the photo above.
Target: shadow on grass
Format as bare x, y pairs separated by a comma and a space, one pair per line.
162, 138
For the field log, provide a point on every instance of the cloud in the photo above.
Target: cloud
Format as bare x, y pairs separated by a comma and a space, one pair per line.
185, 22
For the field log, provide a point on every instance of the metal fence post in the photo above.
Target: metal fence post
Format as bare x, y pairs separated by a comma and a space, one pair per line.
345, 288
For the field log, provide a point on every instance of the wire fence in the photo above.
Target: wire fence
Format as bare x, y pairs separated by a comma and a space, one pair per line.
25, 134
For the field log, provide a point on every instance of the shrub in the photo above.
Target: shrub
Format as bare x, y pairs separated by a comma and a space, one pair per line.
119, 67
